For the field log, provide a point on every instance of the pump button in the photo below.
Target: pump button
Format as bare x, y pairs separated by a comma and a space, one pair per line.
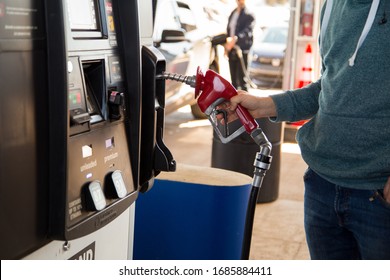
70, 66
119, 184
97, 195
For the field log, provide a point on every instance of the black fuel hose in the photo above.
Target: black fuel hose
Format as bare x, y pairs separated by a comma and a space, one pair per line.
262, 163
248, 229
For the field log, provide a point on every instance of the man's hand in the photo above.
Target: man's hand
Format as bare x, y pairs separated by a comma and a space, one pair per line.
258, 107
230, 43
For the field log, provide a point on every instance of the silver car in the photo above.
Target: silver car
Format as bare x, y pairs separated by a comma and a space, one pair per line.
266, 57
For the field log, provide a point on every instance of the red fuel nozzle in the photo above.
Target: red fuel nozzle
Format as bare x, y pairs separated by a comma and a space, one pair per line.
216, 90
212, 90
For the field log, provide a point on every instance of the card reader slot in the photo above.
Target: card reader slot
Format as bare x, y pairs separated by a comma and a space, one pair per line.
94, 77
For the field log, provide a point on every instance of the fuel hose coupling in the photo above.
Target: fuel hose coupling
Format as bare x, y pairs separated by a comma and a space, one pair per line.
263, 158
262, 163
189, 80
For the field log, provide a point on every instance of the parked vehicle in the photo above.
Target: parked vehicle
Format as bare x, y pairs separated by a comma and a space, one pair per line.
182, 32
266, 57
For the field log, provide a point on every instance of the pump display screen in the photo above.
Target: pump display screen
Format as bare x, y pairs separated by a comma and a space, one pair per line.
82, 15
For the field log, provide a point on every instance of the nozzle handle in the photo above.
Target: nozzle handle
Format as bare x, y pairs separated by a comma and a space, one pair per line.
246, 119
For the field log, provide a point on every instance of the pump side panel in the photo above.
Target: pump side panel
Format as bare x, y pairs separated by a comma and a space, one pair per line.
23, 121
99, 245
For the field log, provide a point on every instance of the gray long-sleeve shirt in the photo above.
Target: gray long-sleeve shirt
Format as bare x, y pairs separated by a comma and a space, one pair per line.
347, 140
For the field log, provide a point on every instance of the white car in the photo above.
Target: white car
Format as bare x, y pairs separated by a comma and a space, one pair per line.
266, 57
182, 32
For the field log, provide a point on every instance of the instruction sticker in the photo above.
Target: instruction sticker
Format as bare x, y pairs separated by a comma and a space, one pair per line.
20, 19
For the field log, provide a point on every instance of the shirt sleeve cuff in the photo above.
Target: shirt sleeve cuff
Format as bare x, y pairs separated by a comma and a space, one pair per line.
283, 111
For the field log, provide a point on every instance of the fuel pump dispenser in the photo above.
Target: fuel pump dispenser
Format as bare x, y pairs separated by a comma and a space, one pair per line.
71, 128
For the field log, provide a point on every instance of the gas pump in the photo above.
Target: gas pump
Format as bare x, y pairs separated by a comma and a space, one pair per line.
71, 128
302, 66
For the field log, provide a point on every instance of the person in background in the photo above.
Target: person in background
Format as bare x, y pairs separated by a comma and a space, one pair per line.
346, 143
240, 34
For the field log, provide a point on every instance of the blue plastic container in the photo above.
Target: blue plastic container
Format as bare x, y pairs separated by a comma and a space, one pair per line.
182, 218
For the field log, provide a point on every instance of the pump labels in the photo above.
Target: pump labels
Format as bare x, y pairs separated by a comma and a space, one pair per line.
106, 217
20, 19
88, 253
75, 208
110, 157
89, 165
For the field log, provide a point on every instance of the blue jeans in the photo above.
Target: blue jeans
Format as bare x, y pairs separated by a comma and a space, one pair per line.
343, 223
